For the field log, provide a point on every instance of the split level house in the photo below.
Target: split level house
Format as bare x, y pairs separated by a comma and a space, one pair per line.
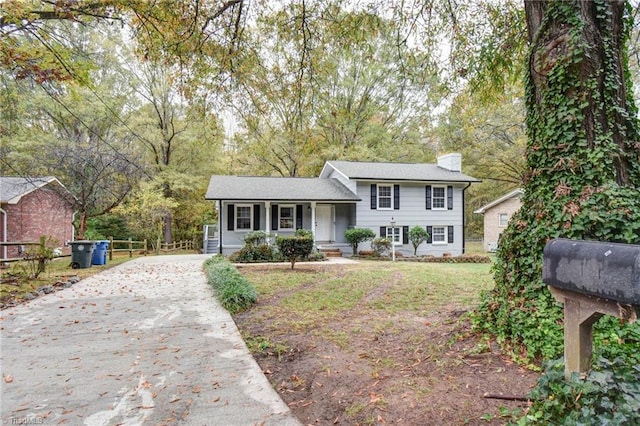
388, 198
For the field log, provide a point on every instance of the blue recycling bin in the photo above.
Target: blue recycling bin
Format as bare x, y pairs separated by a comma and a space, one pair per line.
100, 253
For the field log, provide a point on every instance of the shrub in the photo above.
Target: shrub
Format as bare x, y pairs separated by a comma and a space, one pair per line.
259, 253
294, 247
417, 236
255, 238
356, 236
235, 293
609, 394
381, 246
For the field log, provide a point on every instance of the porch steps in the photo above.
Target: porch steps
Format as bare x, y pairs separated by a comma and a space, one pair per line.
331, 252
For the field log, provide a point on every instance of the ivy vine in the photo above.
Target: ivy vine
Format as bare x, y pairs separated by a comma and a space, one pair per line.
583, 159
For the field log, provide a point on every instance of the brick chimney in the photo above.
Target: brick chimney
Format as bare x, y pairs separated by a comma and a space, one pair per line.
451, 162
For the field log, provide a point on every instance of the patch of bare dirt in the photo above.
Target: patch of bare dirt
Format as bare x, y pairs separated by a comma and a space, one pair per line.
404, 369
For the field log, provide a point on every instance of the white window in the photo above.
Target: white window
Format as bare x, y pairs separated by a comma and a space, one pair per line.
394, 234
385, 197
439, 235
244, 217
503, 219
439, 198
287, 217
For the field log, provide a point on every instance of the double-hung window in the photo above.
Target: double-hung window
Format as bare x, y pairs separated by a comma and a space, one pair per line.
287, 217
243, 217
439, 200
385, 197
439, 234
395, 234
503, 220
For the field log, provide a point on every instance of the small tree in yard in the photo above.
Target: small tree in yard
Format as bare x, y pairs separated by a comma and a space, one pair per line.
417, 236
356, 236
297, 246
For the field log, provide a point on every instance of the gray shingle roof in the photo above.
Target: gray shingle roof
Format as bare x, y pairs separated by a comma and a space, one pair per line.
12, 188
398, 171
277, 188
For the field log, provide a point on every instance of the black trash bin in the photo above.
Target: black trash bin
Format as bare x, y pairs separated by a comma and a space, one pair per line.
81, 254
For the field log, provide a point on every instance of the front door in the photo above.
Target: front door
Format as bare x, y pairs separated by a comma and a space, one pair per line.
324, 222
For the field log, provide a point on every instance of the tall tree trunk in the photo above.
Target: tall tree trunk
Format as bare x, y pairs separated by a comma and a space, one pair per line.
583, 161
168, 235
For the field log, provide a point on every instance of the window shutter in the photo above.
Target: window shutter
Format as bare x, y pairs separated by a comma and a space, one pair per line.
374, 196
274, 217
405, 235
396, 197
231, 217
430, 232
449, 197
256, 217
428, 197
383, 232
298, 216
450, 234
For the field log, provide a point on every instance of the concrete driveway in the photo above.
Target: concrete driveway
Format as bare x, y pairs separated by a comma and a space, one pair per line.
144, 342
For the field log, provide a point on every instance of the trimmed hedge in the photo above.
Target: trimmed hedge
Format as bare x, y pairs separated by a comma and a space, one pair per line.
474, 258
235, 293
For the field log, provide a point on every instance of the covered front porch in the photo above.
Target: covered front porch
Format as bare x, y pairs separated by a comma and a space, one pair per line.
326, 221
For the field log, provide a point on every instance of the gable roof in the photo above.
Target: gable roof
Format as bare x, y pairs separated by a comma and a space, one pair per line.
13, 188
244, 188
515, 193
395, 171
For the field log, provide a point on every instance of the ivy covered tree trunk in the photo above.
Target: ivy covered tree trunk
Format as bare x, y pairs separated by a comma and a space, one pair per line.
583, 162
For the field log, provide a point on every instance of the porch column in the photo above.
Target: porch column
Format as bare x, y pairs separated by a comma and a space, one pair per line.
313, 222
267, 219
220, 220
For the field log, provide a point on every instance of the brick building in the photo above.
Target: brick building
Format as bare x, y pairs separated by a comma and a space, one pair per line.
32, 207
496, 217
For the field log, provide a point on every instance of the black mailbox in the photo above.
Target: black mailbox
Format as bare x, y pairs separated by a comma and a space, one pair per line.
607, 270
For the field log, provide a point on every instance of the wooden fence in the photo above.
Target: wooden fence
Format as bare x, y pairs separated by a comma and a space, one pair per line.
115, 246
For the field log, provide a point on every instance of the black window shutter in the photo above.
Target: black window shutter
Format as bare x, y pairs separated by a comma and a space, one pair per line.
428, 197
430, 232
449, 197
405, 235
256, 217
298, 216
383, 232
230, 217
374, 196
450, 234
396, 197
274, 217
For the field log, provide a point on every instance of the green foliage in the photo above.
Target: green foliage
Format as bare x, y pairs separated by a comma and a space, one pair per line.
417, 236
235, 293
581, 182
295, 247
355, 236
37, 257
250, 253
381, 246
610, 394
255, 238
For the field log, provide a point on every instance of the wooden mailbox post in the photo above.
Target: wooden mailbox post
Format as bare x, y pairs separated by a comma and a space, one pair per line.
591, 279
